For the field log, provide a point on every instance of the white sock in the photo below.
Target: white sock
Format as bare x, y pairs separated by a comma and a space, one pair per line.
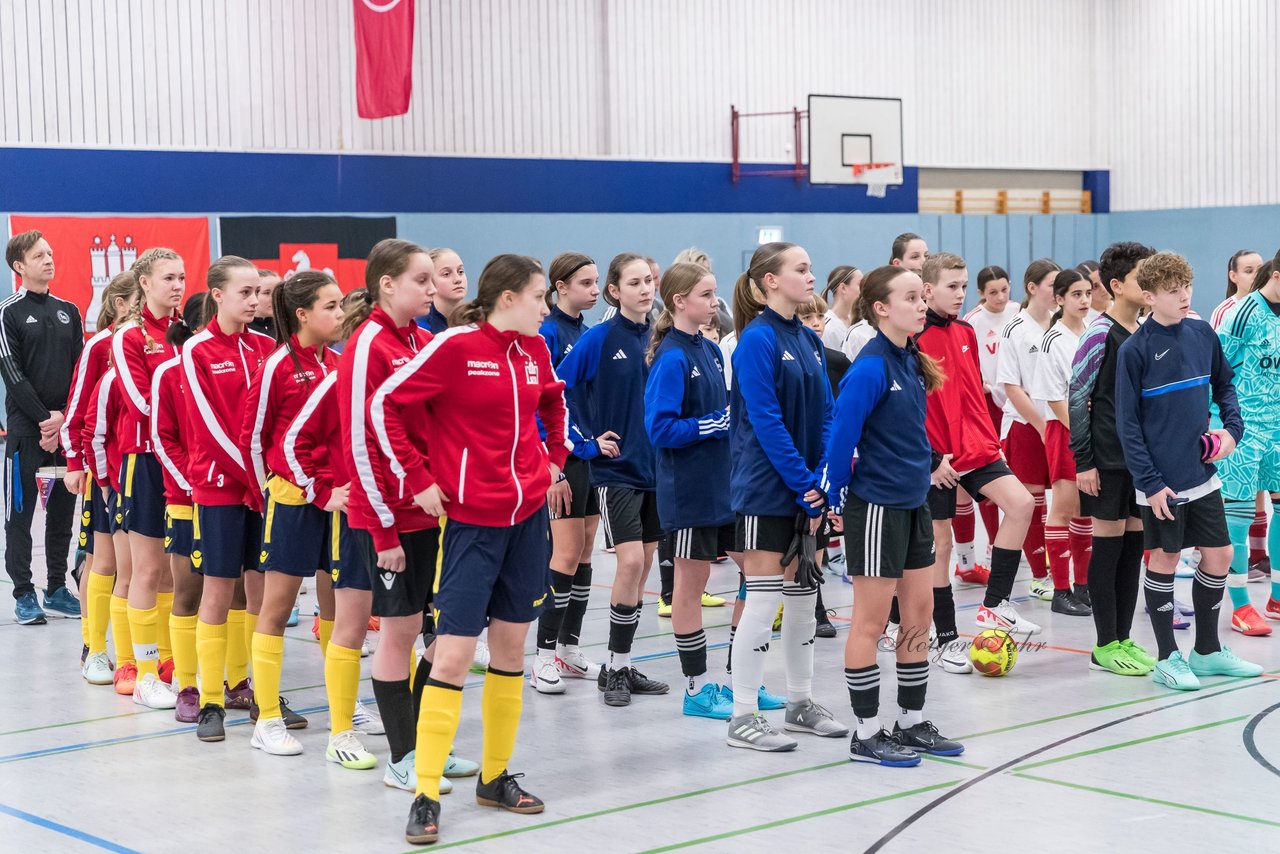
835, 549
696, 683
619, 660
751, 641
867, 727
563, 650
908, 718
964, 555
798, 627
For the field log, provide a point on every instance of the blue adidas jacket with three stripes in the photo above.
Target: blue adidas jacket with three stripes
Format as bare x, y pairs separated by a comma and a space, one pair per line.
780, 417
686, 413
562, 332
1164, 378
606, 373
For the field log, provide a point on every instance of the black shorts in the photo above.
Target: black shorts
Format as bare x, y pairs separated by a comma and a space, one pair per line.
942, 500
143, 485
1115, 500
299, 539
883, 542
629, 516
764, 533
357, 558
179, 530
702, 543
408, 593
226, 540
493, 573
585, 501
1197, 524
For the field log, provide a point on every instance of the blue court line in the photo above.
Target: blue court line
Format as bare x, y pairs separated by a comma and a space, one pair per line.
48, 824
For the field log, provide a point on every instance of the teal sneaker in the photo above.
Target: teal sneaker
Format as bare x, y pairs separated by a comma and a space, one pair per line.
62, 603
1174, 672
1224, 662
764, 700
456, 766
27, 611
1137, 653
709, 702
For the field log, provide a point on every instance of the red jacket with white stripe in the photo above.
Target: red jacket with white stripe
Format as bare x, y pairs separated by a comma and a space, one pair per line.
137, 349
94, 360
169, 431
482, 389
312, 445
375, 350
956, 418
216, 371
101, 446
279, 388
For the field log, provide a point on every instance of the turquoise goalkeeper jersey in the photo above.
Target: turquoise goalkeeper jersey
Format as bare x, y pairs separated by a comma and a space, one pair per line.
1250, 335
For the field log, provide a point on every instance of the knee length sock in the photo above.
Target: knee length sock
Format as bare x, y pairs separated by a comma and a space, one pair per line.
120, 630
1159, 592
1102, 586
99, 609
164, 612
798, 627
142, 626
395, 704
962, 528
571, 627
182, 630
268, 661
1058, 548
437, 725
1080, 536
552, 616
1033, 544
864, 697
1206, 598
751, 641
1239, 520
237, 649
211, 652
341, 685
1128, 582
500, 706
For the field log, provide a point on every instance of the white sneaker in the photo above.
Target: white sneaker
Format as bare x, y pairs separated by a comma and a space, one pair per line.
891, 636
1042, 588
149, 691
346, 750
365, 652
572, 664
544, 676
97, 670
367, 721
954, 657
481, 660
270, 736
1005, 617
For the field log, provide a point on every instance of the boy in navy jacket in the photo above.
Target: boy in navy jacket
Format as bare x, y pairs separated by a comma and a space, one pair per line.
1166, 373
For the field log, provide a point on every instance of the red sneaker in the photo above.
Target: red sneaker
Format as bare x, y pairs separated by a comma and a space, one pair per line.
1272, 610
374, 623
239, 697
126, 676
1247, 621
978, 576
315, 627
165, 671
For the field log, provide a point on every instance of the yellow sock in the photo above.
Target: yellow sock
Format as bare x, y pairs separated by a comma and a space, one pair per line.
211, 652
99, 602
413, 666
341, 684
268, 661
142, 625
84, 603
437, 725
164, 606
120, 630
500, 716
326, 632
250, 628
237, 649
182, 630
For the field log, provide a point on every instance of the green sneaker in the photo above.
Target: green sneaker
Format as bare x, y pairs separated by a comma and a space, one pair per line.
1138, 654
1174, 672
1224, 662
1116, 658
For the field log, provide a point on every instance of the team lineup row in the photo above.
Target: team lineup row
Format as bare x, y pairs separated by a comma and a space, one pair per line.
446, 471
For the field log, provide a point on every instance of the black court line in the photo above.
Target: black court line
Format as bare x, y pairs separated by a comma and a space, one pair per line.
1251, 745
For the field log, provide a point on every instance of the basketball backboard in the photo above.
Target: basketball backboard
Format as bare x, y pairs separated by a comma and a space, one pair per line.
855, 140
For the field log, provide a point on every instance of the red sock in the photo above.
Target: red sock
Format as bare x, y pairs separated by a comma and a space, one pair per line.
962, 522
1080, 534
1258, 536
1033, 545
990, 518
1056, 544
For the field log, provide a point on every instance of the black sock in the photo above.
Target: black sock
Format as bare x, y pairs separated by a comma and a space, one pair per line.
1159, 592
913, 681
1206, 598
1102, 586
571, 625
693, 653
1128, 583
1004, 569
894, 616
395, 704
864, 690
820, 609
666, 568
944, 614
728, 662
622, 627
420, 678
552, 616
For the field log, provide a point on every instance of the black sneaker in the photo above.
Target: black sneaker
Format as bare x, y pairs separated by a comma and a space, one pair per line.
924, 738
617, 688
602, 680
882, 749
1065, 602
641, 684
292, 720
1081, 592
825, 629
503, 791
424, 821
209, 726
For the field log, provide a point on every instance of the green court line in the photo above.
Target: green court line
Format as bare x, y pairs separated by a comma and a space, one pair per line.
1130, 743
1150, 800
947, 760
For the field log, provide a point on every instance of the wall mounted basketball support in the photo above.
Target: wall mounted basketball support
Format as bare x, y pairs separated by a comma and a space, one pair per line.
798, 172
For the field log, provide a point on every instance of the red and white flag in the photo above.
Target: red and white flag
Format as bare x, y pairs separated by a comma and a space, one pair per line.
384, 57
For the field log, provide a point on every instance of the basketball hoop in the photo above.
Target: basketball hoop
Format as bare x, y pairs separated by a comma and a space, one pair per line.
877, 177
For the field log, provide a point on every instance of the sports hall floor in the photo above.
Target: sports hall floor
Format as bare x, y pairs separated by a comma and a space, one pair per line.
1059, 758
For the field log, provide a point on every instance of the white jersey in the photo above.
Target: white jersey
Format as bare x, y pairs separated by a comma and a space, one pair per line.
834, 333
1215, 319
986, 326
1090, 316
1052, 380
1016, 362
860, 334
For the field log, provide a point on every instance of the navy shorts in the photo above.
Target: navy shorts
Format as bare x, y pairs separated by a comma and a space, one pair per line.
143, 485
179, 530
114, 504
299, 539
493, 573
357, 558
94, 518
226, 540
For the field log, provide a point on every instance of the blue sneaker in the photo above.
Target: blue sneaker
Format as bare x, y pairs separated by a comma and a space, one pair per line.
293, 617
62, 603
27, 610
764, 700
709, 702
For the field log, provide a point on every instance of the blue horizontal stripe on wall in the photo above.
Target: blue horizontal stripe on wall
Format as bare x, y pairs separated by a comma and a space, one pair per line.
53, 180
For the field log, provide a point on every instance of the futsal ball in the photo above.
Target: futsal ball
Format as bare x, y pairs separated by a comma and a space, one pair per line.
993, 652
